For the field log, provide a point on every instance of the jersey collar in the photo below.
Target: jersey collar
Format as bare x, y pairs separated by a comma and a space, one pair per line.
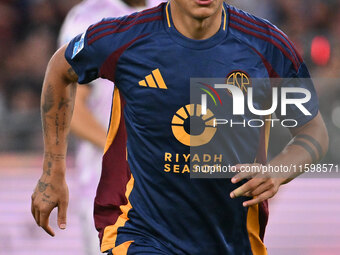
196, 44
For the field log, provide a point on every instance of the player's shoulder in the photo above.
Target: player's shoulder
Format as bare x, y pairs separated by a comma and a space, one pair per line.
137, 24
251, 25
261, 35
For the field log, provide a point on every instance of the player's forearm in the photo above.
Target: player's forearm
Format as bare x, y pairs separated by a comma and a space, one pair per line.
57, 103
308, 146
56, 112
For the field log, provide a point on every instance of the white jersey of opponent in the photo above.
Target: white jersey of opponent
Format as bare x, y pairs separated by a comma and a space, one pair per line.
88, 156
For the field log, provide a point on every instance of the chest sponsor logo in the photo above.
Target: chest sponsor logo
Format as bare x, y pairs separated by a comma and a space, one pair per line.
202, 129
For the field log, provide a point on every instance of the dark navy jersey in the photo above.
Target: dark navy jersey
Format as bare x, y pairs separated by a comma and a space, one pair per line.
145, 195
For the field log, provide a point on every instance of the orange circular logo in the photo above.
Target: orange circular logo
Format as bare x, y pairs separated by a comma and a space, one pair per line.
202, 128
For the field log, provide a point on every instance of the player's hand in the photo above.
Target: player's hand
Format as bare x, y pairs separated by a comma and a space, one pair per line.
260, 186
50, 192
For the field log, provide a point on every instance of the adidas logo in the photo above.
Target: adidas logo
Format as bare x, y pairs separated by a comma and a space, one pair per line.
154, 80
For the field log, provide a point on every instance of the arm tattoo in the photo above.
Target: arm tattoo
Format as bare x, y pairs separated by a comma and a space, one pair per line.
48, 99
48, 201
56, 129
45, 126
72, 75
315, 143
54, 156
308, 148
42, 186
63, 102
49, 166
46, 107
63, 124
45, 195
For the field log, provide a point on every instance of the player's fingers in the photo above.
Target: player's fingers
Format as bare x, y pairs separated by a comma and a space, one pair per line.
247, 194
262, 188
247, 187
241, 176
37, 216
62, 214
256, 200
44, 223
246, 171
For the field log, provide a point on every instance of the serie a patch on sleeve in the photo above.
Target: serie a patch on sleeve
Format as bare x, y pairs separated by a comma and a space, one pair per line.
78, 46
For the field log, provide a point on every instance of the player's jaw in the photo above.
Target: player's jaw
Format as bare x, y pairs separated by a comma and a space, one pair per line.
199, 9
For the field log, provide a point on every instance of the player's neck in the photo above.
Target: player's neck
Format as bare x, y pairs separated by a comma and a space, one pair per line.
135, 3
198, 29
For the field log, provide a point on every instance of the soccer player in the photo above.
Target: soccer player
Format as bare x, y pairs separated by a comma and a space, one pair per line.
92, 110
151, 56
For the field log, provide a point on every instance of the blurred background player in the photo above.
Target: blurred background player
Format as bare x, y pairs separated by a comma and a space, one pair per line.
92, 109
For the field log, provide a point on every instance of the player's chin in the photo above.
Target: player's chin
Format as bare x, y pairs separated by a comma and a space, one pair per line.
202, 14
205, 8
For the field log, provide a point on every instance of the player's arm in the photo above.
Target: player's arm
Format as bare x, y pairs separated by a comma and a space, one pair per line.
57, 101
83, 123
308, 146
